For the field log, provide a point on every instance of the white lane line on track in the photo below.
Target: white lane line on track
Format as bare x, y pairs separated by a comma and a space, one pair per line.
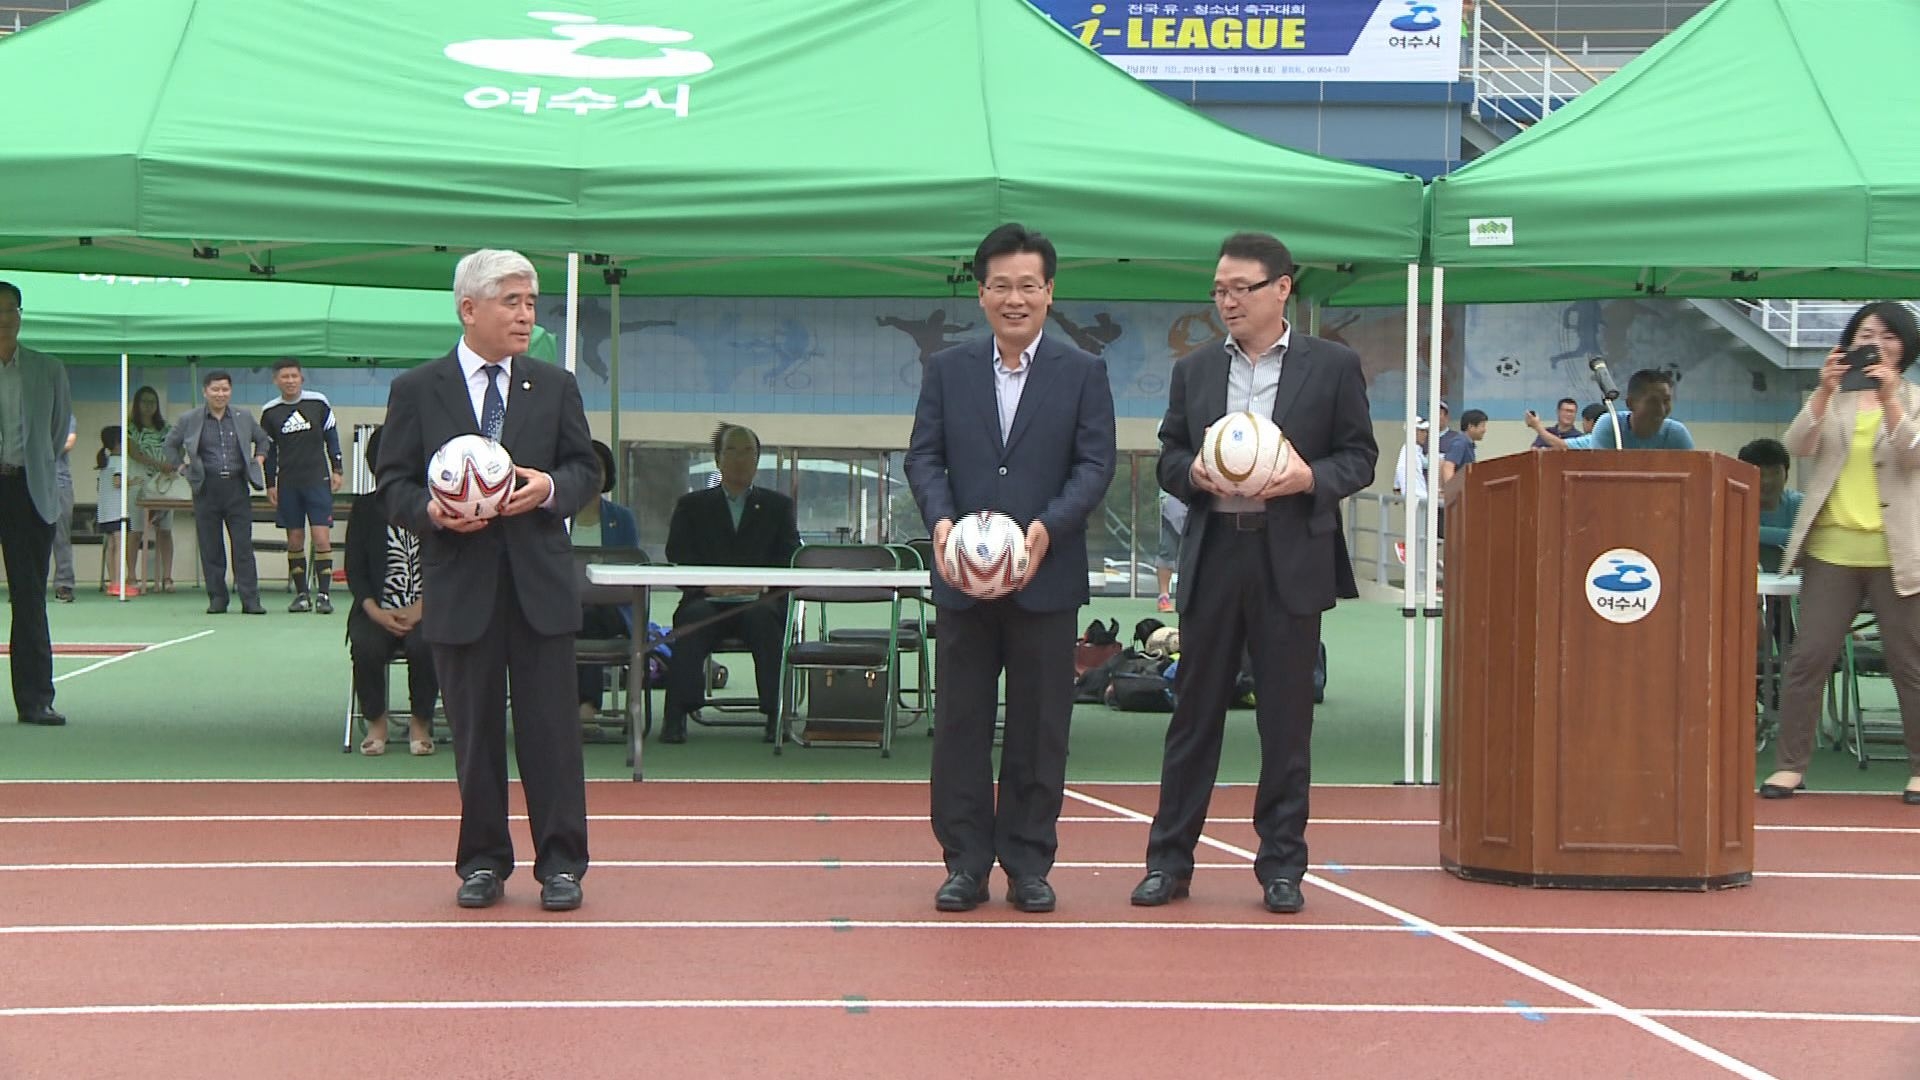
155, 647
839, 925
823, 863
1487, 952
928, 1005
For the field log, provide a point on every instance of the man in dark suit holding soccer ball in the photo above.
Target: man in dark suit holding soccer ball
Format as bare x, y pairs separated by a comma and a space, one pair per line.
1020, 424
1257, 568
499, 592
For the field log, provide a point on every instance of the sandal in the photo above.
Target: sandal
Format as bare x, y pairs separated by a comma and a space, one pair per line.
420, 744
166, 584
374, 746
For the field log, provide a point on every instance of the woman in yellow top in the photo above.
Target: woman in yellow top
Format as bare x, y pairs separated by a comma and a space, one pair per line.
1857, 535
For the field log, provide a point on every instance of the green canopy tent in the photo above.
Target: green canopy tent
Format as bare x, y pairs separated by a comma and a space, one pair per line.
1763, 149
99, 319
757, 148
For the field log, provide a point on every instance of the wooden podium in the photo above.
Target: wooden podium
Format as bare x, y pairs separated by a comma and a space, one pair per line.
1599, 671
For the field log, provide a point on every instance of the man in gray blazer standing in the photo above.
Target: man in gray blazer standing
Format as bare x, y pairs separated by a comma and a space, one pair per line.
35, 409
1019, 423
221, 451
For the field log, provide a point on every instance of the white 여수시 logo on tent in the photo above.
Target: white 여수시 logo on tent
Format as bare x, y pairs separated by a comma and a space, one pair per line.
561, 56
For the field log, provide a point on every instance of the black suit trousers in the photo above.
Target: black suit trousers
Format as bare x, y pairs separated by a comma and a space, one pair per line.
373, 649
1234, 605
546, 740
762, 625
1036, 652
26, 542
222, 512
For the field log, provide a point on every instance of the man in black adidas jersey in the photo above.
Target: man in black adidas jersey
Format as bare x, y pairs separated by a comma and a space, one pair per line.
303, 472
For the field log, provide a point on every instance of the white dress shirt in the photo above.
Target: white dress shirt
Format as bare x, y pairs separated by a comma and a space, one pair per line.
470, 366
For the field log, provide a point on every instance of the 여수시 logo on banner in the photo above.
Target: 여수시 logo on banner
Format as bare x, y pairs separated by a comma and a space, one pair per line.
565, 54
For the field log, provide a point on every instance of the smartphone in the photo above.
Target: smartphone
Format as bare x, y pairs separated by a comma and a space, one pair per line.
1858, 360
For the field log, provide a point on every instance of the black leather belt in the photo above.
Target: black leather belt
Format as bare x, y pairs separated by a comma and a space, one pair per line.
1248, 522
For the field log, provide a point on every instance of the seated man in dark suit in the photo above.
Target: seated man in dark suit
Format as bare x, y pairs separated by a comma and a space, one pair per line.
733, 524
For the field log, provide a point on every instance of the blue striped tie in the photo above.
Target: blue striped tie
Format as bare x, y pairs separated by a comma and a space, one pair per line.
493, 408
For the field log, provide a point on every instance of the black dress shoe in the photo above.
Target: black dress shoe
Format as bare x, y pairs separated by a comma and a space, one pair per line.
961, 892
1160, 887
1031, 894
44, 716
561, 892
1910, 797
672, 735
217, 609
483, 888
1283, 896
1780, 791
252, 609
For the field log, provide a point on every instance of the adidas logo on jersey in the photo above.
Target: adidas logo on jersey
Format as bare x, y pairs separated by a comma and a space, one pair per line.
295, 422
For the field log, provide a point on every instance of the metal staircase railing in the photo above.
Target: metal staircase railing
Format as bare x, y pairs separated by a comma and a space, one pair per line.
1804, 324
1518, 75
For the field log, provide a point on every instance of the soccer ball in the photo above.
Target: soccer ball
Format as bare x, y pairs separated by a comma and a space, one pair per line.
1243, 452
986, 555
471, 475
1506, 367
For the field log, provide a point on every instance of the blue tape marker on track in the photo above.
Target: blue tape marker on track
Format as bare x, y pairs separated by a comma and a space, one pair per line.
1526, 1012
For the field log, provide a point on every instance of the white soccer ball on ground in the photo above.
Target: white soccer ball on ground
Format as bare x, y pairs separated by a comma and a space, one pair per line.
986, 555
1243, 452
471, 475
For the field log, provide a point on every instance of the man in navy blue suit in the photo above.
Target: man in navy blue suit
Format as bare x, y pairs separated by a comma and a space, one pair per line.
1021, 424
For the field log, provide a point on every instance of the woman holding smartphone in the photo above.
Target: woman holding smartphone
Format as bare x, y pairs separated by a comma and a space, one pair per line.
1857, 536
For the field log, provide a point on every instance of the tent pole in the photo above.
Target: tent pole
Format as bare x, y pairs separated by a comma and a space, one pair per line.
613, 275
1431, 609
1409, 602
573, 310
126, 490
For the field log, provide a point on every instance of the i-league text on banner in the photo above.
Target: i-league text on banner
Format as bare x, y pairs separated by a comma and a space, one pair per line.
1298, 41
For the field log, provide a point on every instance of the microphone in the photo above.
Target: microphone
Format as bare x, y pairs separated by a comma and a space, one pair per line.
1603, 378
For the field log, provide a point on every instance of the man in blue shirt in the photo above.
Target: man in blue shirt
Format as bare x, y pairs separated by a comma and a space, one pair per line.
1649, 423
1778, 503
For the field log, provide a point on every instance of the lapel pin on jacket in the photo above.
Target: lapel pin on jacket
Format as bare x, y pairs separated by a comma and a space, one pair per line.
526, 384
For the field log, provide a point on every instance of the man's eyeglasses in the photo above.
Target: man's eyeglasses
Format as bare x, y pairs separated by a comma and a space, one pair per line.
1028, 289
1239, 292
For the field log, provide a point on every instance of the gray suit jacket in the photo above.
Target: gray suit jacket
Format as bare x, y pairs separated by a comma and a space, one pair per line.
46, 404
183, 446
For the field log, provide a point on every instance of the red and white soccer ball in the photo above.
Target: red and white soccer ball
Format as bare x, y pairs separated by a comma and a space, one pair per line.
1243, 452
471, 475
986, 555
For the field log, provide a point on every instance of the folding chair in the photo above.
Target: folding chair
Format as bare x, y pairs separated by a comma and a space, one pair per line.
356, 725
612, 654
911, 636
1862, 727
731, 705
863, 674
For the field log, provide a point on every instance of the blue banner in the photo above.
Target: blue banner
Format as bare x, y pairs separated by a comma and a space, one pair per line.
1300, 40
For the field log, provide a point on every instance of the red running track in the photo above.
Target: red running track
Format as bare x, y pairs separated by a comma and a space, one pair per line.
693, 957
